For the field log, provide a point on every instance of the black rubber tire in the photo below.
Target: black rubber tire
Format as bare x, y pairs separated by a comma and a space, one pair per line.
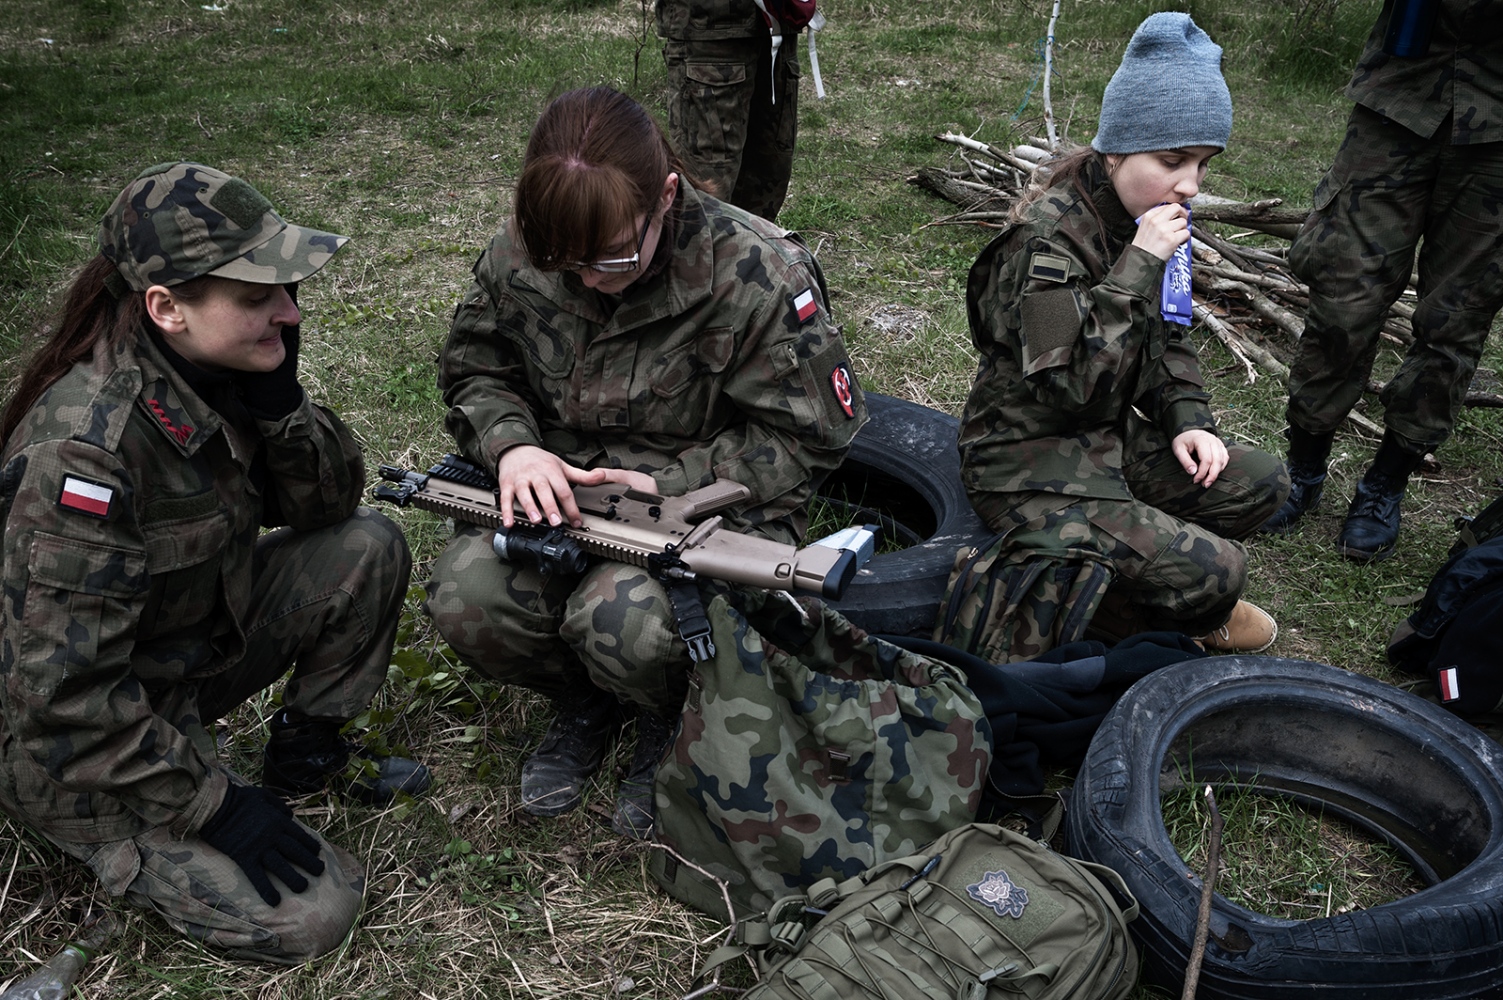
1377, 756
903, 471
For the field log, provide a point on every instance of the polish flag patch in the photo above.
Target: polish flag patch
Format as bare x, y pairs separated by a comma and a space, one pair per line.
1450, 685
804, 305
86, 496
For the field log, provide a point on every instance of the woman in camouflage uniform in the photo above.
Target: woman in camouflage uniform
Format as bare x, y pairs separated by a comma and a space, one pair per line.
152, 437
624, 327
1088, 425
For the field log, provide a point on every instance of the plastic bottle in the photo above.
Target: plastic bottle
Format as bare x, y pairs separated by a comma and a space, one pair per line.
1409, 26
55, 979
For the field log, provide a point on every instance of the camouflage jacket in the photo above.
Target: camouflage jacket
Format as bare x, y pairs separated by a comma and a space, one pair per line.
709, 20
1067, 324
721, 365
131, 510
1461, 76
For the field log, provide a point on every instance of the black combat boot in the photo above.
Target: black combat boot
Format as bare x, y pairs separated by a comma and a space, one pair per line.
574, 745
1372, 521
634, 799
307, 755
1307, 479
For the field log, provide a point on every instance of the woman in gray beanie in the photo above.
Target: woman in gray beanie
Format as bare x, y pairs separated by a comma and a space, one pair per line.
1087, 436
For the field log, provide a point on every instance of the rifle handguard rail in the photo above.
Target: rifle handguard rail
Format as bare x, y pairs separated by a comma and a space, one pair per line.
629, 526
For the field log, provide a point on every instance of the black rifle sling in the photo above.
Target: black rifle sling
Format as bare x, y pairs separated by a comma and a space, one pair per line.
687, 603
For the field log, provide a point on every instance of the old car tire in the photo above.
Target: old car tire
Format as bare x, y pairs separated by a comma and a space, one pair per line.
903, 473
1370, 753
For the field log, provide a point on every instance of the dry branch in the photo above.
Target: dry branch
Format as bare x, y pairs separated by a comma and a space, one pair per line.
1207, 894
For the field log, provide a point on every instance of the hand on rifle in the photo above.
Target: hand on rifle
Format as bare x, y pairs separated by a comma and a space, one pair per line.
544, 485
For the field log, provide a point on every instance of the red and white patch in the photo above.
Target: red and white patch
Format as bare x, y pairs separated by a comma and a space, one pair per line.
804, 305
1450, 685
840, 382
86, 497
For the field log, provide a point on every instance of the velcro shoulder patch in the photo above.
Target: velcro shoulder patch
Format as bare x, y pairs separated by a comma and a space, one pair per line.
1051, 320
1049, 267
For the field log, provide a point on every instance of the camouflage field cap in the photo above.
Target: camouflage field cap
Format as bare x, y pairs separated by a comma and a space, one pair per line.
178, 221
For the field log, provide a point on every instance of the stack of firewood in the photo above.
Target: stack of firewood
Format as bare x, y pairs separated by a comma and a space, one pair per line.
1245, 294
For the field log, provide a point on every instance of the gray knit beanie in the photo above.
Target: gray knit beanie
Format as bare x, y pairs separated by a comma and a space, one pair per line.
1168, 93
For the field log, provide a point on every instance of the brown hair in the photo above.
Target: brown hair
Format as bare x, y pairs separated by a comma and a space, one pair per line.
595, 161
1067, 168
91, 313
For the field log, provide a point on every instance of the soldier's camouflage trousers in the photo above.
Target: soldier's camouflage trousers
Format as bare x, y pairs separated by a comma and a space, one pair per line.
204, 895
1172, 547
724, 122
611, 626
1387, 191
326, 603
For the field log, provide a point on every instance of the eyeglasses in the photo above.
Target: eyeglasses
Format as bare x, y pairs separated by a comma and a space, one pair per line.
616, 265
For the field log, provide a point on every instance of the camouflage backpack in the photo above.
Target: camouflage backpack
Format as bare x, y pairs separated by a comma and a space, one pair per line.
981, 914
1020, 596
809, 750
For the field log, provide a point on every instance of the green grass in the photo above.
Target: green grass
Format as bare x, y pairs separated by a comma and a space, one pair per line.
402, 126
1282, 859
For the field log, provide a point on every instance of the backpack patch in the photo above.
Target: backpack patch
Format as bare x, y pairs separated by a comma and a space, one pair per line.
997, 891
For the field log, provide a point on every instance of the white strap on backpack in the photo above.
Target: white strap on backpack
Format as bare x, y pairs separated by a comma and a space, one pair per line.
775, 26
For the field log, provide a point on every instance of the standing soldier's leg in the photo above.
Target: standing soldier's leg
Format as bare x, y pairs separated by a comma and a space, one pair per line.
1460, 293
503, 620
1460, 290
771, 132
1355, 251
711, 88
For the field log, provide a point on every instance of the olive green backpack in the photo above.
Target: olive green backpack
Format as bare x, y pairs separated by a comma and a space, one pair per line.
983, 913
1021, 595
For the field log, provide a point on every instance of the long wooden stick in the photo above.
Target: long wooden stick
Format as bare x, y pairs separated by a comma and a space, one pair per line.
1207, 893
1048, 72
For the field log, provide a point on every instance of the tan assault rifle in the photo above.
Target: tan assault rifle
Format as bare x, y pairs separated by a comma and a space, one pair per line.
677, 537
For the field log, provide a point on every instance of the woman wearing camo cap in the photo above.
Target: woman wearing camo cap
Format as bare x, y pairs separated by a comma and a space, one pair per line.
152, 437
1088, 431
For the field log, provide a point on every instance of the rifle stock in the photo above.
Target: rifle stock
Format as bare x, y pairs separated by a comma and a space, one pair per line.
631, 527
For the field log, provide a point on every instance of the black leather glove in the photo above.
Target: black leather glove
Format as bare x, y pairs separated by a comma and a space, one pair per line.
255, 829
274, 394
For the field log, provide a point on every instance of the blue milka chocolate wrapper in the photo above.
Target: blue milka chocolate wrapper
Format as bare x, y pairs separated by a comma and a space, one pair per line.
1174, 302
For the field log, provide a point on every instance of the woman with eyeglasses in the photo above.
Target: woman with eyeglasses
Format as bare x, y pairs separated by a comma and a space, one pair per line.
624, 326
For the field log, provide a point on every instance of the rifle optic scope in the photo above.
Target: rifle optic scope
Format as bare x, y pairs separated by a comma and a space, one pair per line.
552, 551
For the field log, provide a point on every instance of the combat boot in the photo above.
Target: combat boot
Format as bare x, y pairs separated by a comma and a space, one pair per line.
1250, 629
573, 747
1372, 521
1308, 454
307, 755
634, 798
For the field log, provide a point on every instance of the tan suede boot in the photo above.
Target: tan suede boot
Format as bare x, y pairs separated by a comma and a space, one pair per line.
1250, 629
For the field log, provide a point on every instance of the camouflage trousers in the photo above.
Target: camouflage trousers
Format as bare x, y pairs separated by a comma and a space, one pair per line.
326, 604
203, 895
611, 626
724, 121
1387, 192
1173, 547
